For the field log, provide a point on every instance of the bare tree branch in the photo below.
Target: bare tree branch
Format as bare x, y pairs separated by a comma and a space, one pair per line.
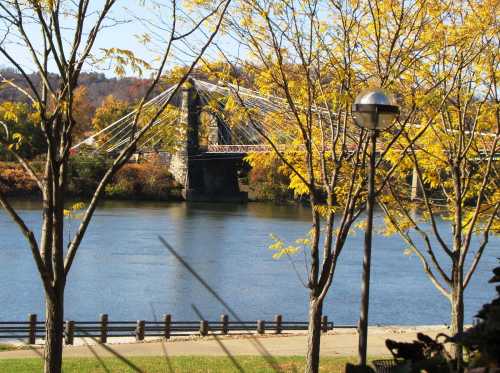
30, 237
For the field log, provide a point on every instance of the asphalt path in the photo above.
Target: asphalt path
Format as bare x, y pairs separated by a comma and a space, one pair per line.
343, 342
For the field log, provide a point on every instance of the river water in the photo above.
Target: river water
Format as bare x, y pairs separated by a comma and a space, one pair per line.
122, 268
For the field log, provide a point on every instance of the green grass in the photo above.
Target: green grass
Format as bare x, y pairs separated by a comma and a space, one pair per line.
179, 364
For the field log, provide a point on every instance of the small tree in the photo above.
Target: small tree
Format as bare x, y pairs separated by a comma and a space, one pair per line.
68, 32
455, 163
110, 110
19, 118
83, 112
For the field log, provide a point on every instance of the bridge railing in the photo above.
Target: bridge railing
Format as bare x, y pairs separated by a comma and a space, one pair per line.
101, 330
238, 148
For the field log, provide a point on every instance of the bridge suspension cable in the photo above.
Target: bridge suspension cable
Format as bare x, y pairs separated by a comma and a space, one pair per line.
257, 107
117, 133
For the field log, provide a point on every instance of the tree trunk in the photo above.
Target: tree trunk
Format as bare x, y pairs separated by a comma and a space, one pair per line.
457, 324
54, 328
313, 335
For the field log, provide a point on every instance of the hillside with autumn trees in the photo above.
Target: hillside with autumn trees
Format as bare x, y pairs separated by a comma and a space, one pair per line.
95, 90
97, 85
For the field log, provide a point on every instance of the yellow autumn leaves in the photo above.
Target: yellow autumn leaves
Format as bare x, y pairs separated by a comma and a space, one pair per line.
75, 211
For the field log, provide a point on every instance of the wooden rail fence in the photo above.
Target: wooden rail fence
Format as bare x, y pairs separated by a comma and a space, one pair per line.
104, 328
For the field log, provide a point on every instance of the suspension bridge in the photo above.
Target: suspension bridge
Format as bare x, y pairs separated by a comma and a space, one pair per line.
206, 152
201, 97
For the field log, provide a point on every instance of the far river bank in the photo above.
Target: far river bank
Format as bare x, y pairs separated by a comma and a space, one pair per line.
148, 181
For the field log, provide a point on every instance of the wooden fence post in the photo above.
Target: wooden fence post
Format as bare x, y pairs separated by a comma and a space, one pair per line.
104, 328
261, 326
203, 327
139, 330
69, 332
32, 328
279, 320
224, 319
324, 323
167, 320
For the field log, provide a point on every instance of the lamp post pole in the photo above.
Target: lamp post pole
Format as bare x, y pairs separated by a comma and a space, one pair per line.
365, 285
375, 111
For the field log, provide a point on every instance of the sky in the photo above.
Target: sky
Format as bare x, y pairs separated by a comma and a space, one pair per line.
123, 34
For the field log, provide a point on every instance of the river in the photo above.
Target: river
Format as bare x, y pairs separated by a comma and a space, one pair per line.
122, 268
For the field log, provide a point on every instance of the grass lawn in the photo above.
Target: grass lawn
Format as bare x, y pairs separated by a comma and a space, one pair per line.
175, 364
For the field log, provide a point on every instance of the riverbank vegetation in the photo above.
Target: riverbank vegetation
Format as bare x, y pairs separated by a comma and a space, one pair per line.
135, 181
146, 180
268, 181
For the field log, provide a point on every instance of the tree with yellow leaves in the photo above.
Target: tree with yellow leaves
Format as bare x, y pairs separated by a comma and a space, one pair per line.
316, 57
110, 110
455, 162
18, 124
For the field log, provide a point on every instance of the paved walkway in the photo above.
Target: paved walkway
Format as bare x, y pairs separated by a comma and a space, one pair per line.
341, 342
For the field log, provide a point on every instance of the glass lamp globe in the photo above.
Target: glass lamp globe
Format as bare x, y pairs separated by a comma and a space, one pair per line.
374, 109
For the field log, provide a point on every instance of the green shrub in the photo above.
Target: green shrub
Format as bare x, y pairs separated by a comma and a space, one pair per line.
86, 170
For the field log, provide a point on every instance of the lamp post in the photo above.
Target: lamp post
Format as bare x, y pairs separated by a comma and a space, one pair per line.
374, 110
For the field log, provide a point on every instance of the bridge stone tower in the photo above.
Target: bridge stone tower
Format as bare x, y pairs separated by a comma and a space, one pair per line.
218, 133
206, 177
188, 132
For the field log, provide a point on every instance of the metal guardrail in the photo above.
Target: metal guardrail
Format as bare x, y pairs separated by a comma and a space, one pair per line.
104, 328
